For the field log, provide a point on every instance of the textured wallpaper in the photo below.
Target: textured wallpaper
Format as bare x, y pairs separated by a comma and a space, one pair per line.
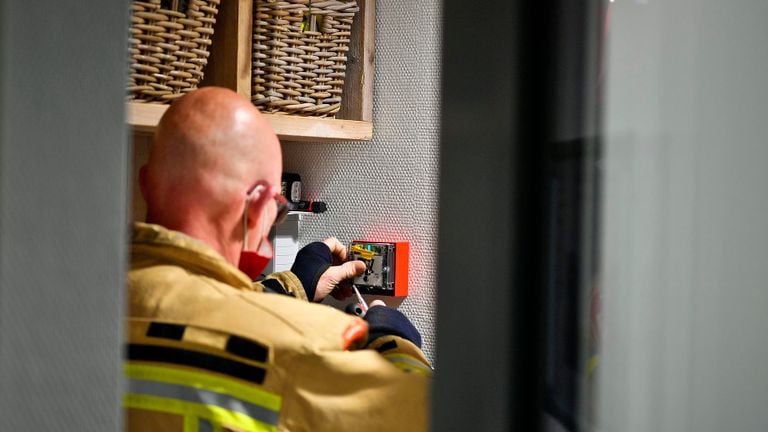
387, 188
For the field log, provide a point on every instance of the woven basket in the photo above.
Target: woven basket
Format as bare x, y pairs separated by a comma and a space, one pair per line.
169, 47
300, 55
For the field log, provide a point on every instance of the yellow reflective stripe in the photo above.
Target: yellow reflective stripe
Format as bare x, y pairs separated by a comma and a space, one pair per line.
202, 396
248, 393
196, 424
216, 415
190, 423
592, 364
408, 363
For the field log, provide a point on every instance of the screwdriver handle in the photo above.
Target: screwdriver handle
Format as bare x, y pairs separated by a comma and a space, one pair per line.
363, 304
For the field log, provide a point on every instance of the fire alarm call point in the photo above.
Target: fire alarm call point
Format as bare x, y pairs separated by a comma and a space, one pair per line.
386, 267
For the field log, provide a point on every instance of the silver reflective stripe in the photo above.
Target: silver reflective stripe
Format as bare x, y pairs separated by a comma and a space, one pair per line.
204, 426
202, 396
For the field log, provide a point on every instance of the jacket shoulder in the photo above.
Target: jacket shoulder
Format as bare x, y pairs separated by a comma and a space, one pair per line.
171, 294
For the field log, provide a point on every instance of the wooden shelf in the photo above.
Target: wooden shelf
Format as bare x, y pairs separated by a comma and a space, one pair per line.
292, 128
230, 66
144, 117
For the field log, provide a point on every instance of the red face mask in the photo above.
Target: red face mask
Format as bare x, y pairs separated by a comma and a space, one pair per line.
253, 263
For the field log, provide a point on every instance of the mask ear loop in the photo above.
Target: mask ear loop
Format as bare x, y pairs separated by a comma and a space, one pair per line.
264, 247
248, 201
253, 263
245, 223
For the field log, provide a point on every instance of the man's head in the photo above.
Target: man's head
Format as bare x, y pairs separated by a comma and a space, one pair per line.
211, 148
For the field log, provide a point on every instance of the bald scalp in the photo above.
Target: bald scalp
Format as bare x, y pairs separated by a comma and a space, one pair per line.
211, 146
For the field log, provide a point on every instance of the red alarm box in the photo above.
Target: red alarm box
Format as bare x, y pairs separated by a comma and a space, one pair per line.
386, 267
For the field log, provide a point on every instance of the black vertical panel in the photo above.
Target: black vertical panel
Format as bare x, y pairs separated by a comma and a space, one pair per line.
512, 146
567, 120
486, 365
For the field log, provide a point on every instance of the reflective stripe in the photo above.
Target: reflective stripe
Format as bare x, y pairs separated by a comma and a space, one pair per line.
218, 384
408, 363
204, 426
204, 397
191, 424
200, 397
192, 412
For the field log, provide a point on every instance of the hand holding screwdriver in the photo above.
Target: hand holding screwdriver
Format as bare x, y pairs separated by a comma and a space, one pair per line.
361, 308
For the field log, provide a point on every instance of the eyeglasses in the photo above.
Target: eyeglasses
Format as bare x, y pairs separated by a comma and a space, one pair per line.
282, 209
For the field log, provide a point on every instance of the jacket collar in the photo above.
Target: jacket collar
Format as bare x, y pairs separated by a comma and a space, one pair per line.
158, 242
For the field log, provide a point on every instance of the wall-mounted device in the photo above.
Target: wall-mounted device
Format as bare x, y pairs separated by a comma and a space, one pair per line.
291, 187
386, 267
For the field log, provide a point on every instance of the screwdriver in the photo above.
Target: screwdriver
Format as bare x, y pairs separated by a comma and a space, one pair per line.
363, 304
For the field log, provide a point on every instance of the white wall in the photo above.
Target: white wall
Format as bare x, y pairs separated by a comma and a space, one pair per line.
387, 188
685, 234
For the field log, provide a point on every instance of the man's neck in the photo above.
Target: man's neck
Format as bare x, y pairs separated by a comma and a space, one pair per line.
216, 236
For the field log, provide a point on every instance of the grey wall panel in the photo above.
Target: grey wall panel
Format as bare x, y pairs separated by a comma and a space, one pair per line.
387, 188
62, 213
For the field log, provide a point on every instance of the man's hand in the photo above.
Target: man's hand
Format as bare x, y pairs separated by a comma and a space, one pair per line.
385, 321
322, 270
338, 250
335, 280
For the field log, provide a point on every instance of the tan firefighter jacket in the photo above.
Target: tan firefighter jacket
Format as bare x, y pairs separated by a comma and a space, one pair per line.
208, 350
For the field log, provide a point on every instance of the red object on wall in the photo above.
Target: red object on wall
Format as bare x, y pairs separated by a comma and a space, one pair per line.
402, 249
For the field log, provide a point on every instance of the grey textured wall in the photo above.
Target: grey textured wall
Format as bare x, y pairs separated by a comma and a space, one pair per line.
63, 165
387, 188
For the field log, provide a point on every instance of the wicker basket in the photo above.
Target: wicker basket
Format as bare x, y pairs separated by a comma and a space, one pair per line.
169, 47
300, 55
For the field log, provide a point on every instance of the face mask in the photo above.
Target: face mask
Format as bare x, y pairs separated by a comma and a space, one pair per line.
253, 263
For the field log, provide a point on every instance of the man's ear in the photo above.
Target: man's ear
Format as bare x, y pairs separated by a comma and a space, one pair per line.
260, 197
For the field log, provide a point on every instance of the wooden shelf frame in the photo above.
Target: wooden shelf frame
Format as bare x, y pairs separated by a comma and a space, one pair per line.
144, 118
230, 66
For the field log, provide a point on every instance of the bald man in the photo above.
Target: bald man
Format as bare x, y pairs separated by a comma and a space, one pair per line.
208, 348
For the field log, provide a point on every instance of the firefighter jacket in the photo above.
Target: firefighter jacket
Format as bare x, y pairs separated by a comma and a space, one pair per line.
208, 350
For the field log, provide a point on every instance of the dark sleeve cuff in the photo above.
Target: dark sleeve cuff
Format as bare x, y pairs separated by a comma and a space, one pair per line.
384, 321
311, 262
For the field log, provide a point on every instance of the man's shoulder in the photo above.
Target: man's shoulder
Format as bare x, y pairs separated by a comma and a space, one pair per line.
171, 294
323, 326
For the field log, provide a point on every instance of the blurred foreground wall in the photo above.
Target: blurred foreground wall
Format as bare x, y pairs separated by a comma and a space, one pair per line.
685, 234
63, 166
